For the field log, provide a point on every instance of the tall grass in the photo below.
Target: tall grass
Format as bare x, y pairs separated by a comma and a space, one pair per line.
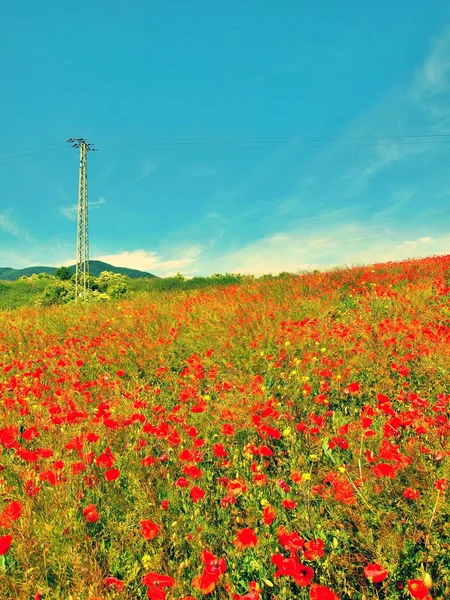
201, 420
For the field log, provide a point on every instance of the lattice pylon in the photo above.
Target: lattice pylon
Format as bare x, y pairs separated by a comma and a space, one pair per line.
82, 250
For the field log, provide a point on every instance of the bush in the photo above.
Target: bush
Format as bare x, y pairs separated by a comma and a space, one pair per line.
57, 293
117, 290
63, 273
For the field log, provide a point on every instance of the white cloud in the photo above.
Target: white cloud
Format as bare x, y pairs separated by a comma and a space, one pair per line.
148, 167
352, 244
421, 106
71, 211
199, 172
434, 76
9, 225
181, 260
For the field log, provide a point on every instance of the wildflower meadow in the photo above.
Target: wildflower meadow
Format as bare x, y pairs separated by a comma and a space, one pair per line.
275, 439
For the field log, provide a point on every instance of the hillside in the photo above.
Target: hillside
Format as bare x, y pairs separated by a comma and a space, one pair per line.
96, 267
282, 438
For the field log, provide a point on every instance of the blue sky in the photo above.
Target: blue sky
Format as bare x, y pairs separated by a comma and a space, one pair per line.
142, 78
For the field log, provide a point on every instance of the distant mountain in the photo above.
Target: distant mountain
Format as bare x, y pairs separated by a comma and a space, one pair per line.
95, 268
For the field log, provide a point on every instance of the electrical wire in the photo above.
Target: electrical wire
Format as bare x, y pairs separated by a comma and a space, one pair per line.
30, 148
260, 145
33, 153
230, 143
34, 159
250, 139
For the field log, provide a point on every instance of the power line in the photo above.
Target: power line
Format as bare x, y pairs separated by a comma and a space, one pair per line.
237, 143
34, 153
31, 148
32, 159
242, 140
262, 145
268, 139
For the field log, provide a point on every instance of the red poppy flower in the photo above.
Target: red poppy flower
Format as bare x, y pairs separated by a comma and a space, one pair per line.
227, 429
11, 513
384, 470
158, 579
164, 504
289, 567
319, 592
186, 455
219, 451
91, 514
112, 474
418, 589
155, 584
193, 471
290, 541
106, 459
78, 467
442, 484
353, 388
265, 451
410, 493
213, 569
182, 482
149, 529
375, 573
313, 549
283, 485
268, 514
253, 594
296, 477
235, 487
5, 544
113, 582
246, 538
259, 479
196, 494
289, 504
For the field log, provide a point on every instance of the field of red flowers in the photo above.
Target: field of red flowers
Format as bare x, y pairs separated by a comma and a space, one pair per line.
277, 439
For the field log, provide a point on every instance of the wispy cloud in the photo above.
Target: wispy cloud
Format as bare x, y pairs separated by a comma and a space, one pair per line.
10, 226
434, 76
200, 171
71, 211
182, 259
349, 171
299, 248
148, 167
351, 244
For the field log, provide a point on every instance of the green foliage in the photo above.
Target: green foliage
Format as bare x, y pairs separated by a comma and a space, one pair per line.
117, 290
60, 292
95, 268
20, 293
63, 273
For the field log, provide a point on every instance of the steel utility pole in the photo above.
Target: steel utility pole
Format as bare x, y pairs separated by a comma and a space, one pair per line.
82, 260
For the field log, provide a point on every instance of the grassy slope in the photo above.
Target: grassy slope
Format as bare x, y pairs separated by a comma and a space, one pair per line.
275, 362
14, 294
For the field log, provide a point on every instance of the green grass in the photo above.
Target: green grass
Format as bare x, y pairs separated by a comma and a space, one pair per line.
15, 294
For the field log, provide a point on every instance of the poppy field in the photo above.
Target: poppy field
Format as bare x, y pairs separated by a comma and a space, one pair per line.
281, 438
